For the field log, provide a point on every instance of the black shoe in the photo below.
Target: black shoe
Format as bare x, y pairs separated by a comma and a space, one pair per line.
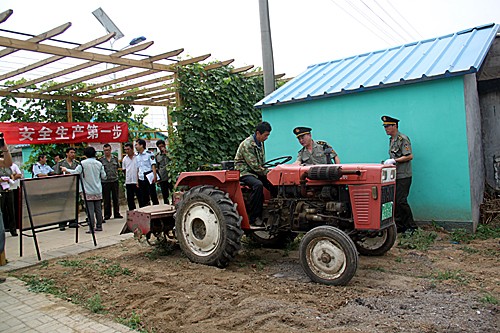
118, 216
257, 223
62, 228
13, 232
107, 217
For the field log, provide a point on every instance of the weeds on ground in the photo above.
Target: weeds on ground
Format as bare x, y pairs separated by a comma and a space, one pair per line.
454, 275
94, 304
483, 231
71, 263
135, 323
115, 270
489, 299
292, 246
39, 284
420, 240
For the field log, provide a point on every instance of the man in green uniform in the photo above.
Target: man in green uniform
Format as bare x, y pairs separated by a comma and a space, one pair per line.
162, 161
110, 184
249, 160
69, 163
313, 152
400, 154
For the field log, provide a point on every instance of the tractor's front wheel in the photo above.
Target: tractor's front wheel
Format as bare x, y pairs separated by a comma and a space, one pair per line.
377, 243
208, 226
328, 256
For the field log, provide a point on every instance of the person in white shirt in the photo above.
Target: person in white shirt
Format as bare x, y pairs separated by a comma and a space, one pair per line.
129, 167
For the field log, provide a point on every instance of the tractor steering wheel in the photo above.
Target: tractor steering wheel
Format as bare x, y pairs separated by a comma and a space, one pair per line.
276, 161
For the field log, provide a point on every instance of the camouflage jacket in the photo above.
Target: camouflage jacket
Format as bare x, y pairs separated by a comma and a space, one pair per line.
162, 161
249, 158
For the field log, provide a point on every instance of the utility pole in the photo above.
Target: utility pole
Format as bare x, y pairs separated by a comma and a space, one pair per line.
267, 48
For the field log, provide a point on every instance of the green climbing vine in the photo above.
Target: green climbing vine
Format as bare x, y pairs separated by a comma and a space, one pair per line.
217, 113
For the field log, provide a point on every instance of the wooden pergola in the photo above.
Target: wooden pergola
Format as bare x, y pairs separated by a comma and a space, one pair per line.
136, 79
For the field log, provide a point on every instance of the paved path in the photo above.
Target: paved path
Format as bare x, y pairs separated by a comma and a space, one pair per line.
24, 311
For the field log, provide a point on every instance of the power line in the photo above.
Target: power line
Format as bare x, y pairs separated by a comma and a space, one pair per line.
361, 22
395, 21
371, 21
409, 24
381, 19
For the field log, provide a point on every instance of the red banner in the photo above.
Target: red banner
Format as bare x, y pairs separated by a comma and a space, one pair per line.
47, 133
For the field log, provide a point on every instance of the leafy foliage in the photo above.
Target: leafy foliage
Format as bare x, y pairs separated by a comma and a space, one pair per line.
217, 113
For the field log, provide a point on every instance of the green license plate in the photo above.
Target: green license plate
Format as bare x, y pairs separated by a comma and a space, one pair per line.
387, 210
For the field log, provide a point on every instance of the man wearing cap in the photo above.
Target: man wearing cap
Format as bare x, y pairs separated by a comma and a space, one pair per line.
248, 160
400, 154
313, 152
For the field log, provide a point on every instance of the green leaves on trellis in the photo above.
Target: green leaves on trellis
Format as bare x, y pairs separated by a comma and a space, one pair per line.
217, 113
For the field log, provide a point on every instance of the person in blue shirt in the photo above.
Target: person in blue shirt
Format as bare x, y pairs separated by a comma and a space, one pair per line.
146, 165
41, 168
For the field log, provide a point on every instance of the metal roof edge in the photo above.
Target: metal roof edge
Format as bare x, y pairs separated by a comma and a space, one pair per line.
381, 85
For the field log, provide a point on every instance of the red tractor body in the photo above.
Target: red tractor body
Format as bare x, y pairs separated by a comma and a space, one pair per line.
340, 210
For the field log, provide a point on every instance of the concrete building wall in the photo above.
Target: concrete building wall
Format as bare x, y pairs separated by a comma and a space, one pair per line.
490, 112
474, 141
433, 116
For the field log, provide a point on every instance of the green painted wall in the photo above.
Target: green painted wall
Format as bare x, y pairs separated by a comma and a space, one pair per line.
432, 114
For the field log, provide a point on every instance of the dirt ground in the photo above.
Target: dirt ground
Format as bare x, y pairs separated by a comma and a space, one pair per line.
449, 287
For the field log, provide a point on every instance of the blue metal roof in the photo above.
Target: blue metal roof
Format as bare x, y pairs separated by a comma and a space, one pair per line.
454, 54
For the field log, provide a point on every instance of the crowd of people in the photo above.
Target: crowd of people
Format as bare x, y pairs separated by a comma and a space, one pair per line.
143, 171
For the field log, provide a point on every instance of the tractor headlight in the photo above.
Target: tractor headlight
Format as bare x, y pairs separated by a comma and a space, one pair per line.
388, 174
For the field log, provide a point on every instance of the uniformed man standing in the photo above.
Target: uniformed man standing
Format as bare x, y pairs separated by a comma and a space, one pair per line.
162, 161
400, 154
41, 168
313, 152
249, 160
69, 163
110, 184
146, 165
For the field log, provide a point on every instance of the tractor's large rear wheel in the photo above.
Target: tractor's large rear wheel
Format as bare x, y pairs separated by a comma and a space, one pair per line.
377, 243
208, 226
328, 256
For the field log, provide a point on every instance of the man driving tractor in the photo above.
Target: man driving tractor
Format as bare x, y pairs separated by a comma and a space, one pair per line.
248, 160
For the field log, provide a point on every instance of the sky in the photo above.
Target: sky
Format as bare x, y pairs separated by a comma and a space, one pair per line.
303, 32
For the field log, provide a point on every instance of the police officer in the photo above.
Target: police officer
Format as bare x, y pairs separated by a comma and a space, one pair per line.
400, 154
313, 152
110, 184
146, 165
162, 161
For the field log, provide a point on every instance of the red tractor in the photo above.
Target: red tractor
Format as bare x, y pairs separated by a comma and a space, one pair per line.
340, 209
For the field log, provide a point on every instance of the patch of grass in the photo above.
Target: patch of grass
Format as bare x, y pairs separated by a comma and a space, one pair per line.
134, 321
115, 270
292, 246
38, 284
489, 299
455, 275
398, 259
461, 235
419, 240
44, 264
70, 263
94, 304
483, 231
470, 250
377, 268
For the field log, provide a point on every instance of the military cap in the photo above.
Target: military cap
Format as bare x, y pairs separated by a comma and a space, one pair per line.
387, 120
299, 131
